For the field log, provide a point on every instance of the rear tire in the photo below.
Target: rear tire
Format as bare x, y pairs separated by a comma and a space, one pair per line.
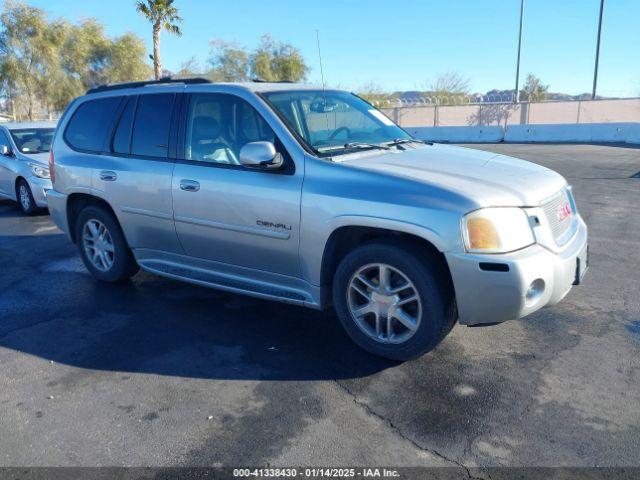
102, 245
26, 202
407, 328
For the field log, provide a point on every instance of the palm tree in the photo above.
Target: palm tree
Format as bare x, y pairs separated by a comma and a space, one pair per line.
162, 15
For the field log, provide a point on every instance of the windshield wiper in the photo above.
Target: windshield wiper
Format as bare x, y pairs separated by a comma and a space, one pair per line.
350, 145
400, 141
365, 145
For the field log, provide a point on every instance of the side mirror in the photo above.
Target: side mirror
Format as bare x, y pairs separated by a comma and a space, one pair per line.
260, 155
5, 150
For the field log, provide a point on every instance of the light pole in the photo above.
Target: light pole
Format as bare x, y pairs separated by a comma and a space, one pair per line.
516, 96
595, 70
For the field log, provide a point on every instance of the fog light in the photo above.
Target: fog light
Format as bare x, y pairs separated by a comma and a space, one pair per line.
535, 291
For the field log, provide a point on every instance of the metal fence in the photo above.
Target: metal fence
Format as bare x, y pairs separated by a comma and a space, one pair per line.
466, 99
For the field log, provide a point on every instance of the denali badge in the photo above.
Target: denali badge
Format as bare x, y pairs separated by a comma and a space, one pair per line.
563, 212
277, 226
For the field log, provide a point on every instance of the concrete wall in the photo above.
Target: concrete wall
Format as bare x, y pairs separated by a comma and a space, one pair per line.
572, 121
568, 133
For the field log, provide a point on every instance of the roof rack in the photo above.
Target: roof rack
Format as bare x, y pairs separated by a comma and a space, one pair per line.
164, 80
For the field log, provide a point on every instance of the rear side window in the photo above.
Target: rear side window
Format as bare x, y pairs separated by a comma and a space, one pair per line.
91, 123
122, 136
151, 125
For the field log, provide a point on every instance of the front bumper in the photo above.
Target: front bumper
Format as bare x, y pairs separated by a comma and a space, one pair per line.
39, 188
486, 296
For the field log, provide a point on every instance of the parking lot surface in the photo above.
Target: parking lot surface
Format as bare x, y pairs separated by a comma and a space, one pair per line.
156, 372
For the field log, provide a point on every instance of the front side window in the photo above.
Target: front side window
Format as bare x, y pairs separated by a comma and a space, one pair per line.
4, 140
219, 125
90, 124
334, 122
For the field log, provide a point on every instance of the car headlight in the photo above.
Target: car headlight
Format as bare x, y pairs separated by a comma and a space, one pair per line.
39, 170
496, 230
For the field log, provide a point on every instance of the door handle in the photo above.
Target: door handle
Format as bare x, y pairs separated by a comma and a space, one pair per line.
108, 176
189, 185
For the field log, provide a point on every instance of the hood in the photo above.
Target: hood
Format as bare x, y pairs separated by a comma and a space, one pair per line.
486, 178
42, 158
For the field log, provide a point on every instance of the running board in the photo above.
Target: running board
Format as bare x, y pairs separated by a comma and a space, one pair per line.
225, 282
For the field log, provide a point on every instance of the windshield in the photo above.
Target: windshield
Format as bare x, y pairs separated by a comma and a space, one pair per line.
334, 122
33, 140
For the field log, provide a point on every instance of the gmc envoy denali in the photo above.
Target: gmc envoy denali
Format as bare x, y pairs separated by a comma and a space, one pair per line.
311, 197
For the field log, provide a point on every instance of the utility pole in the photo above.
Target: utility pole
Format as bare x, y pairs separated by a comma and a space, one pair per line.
595, 70
516, 96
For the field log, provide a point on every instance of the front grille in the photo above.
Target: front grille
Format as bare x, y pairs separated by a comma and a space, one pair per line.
561, 215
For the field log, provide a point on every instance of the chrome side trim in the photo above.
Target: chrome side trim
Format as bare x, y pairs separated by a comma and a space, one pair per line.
262, 232
146, 213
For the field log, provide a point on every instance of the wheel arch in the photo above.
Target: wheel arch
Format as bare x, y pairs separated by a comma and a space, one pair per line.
76, 202
346, 238
18, 179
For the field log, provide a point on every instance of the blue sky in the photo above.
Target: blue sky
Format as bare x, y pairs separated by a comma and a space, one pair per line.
405, 44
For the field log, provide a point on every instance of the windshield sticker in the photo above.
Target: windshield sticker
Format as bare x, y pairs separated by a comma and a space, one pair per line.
382, 117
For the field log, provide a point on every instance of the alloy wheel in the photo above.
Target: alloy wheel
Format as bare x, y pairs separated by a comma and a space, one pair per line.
384, 303
25, 201
98, 245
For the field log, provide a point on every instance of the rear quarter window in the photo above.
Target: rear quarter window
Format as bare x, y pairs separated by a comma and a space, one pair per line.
91, 123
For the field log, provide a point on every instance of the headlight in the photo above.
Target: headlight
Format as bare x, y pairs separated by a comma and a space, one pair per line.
39, 170
496, 230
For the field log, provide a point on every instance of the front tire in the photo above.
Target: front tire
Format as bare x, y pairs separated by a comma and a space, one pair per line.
102, 245
26, 202
394, 300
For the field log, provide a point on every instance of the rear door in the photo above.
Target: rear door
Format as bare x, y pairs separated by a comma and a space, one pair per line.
226, 212
134, 174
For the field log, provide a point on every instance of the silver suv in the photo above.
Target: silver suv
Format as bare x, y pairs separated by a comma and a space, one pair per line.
311, 197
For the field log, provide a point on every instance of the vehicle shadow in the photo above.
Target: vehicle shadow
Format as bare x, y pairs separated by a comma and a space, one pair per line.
54, 310
9, 209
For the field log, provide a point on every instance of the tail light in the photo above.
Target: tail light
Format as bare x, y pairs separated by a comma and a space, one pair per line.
51, 163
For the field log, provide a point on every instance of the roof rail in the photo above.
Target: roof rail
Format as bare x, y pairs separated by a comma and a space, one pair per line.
164, 80
260, 80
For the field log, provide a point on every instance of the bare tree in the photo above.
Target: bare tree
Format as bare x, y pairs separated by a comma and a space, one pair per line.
374, 94
190, 68
449, 87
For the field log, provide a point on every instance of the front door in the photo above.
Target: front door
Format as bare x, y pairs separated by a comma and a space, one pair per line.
7, 168
226, 212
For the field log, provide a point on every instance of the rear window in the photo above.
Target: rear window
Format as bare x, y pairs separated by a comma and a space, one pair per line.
151, 126
91, 123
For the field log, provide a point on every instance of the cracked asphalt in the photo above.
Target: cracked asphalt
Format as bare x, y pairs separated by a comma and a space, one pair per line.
154, 372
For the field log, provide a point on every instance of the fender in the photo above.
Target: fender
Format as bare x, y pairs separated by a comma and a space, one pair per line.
312, 250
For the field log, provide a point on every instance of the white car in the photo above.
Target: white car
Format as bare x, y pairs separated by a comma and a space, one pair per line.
24, 163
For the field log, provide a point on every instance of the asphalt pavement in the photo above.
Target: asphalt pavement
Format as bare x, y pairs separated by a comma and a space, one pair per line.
155, 372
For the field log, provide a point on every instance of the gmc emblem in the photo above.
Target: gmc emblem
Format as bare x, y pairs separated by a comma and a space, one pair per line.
563, 212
